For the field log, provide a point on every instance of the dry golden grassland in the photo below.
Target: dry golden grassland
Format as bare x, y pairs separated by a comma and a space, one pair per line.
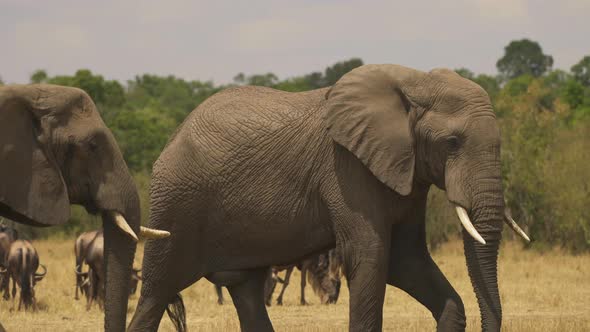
540, 292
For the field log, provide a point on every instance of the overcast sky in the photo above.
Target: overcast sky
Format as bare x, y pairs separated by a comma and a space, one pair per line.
214, 40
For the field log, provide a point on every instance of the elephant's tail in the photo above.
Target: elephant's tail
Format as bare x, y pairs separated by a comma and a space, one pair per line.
177, 314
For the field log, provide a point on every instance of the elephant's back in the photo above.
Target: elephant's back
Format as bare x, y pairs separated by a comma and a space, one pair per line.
253, 107
241, 119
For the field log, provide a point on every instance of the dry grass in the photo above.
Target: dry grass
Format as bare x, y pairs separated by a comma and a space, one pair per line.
548, 292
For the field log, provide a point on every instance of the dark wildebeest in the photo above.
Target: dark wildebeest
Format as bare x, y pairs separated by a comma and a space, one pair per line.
80, 247
92, 282
22, 263
7, 236
323, 272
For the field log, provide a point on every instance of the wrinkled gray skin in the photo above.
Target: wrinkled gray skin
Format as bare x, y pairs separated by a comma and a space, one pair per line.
254, 168
91, 244
7, 236
57, 151
22, 262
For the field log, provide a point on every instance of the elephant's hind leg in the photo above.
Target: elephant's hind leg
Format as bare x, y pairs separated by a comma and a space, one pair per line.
247, 291
412, 269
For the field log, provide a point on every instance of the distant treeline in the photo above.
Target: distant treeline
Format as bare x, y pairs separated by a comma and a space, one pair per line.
544, 115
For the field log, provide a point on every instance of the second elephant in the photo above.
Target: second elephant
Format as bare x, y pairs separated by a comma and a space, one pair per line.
256, 177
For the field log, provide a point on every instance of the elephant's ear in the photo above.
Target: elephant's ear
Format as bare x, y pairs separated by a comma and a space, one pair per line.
32, 189
368, 114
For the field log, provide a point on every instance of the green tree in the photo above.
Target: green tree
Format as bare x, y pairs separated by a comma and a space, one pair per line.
333, 73
487, 82
39, 76
268, 79
171, 95
314, 80
103, 92
466, 73
523, 57
142, 134
581, 71
1, 81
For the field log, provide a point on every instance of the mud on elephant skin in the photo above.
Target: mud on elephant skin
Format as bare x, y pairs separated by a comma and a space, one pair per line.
56, 151
350, 166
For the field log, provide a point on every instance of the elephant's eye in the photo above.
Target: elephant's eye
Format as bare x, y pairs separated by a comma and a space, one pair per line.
453, 143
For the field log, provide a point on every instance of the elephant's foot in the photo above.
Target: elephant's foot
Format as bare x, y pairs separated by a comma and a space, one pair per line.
452, 318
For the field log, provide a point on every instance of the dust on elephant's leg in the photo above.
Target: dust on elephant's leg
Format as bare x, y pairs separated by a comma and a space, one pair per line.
412, 269
248, 298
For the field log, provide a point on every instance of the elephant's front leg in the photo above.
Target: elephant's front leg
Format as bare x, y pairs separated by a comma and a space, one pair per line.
412, 269
366, 258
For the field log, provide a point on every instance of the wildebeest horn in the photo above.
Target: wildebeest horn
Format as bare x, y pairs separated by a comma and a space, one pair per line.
39, 276
80, 273
3, 270
124, 226
150, 233
86, 281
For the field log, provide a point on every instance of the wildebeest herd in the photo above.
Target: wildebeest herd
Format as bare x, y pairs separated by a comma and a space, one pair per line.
19, 262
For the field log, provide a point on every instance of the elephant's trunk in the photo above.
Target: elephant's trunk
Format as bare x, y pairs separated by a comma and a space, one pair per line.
119, 250
119, 247
487, 215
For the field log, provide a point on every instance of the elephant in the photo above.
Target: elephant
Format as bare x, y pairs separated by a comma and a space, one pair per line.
56, 151
256, 177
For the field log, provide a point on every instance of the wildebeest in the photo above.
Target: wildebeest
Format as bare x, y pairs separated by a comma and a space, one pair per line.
22, 263
80, 247
323, 272
89, 249
7, 236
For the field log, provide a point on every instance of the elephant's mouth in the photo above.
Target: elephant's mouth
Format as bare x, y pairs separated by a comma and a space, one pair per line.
468, 225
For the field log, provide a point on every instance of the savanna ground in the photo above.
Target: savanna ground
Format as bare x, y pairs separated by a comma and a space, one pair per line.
547, 291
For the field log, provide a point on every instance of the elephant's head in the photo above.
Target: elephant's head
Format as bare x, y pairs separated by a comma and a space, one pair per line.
413, 129
56, 151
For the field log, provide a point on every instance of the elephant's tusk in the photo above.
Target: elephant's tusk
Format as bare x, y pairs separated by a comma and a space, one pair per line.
124, 226
150, 233
516, 228
462, 213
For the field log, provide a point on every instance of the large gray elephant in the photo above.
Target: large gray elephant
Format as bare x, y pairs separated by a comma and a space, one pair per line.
256, 177
55, 151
